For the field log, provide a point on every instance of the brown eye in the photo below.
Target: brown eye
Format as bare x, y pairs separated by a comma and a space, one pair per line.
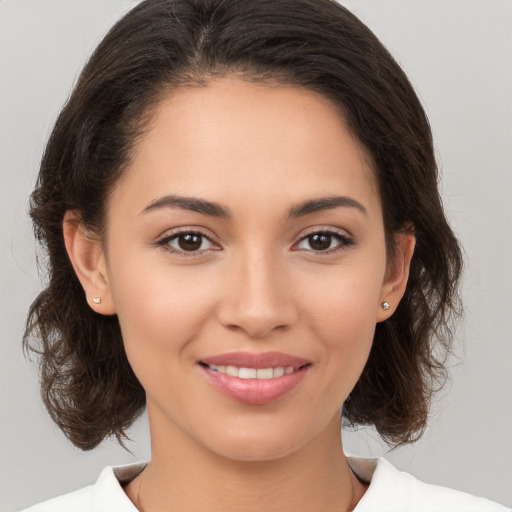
325, 241
190, 241
187, 243
320, 241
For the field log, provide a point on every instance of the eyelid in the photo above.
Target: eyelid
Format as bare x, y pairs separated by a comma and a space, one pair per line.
164, 239
186, 229
346, 239
325, 229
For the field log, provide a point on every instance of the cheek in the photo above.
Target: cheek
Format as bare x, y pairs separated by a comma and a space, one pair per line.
342, 313
344, 300
160, 313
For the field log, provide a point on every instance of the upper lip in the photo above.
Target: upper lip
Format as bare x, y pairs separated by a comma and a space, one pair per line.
255, 360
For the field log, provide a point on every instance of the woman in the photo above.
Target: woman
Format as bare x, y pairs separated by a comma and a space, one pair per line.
245, 235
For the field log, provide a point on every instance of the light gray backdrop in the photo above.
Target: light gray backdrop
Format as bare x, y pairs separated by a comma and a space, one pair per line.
458, 54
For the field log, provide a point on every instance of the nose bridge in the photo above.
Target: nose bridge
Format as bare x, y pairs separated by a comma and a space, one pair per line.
257, 298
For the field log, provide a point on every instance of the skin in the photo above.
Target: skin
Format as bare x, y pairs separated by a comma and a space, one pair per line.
256, 284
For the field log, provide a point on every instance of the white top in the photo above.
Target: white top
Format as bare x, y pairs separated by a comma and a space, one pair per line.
390, 490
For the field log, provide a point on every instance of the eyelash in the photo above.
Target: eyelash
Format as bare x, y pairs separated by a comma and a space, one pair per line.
344, 240
163, 243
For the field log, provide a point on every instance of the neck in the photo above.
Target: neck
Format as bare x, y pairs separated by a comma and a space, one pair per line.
187, 477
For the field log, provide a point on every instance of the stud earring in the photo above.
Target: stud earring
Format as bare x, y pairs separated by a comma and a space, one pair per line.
385, 305
97, 300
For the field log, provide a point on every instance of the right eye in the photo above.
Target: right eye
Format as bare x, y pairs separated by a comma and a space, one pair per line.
186, 243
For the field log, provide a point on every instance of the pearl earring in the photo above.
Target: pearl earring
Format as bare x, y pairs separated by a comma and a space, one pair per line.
385, 305
97, 300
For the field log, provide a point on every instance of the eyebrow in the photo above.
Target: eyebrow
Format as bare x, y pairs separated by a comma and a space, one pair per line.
325, 203
190, 203
213, 209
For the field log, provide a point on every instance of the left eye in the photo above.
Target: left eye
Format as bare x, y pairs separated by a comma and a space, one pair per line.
323, 241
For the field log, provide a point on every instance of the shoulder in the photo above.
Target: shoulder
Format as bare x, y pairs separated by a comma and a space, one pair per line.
392, 490
77, 501
106, 495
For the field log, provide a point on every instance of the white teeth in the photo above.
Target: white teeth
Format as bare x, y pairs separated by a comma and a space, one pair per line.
264, 373
247, 373
232, 370
278, 372
253, 373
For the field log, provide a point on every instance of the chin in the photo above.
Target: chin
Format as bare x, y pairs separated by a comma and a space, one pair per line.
241, 452
256, 446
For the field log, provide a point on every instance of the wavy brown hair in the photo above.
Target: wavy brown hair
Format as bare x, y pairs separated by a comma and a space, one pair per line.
87, 383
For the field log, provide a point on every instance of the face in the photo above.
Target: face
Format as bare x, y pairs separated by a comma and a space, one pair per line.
246, 261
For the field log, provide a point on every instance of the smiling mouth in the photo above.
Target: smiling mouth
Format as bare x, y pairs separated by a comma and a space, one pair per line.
255, 379
253, 373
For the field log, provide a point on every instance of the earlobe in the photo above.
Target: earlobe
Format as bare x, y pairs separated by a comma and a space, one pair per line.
397, 274
88, 259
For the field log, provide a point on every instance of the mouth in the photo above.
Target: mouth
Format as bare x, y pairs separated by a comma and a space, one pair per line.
255, 379
253, 373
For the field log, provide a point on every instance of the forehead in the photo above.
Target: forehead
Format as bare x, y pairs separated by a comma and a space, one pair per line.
257, 141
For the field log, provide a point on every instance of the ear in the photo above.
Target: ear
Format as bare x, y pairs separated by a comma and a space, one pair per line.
88, 260
397, 274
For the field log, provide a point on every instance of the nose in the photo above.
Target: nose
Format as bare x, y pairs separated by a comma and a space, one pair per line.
257, 297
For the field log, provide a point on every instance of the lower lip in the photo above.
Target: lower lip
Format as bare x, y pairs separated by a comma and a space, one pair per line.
255, 391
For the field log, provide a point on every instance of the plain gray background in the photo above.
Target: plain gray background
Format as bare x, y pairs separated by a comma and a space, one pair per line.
458, 54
